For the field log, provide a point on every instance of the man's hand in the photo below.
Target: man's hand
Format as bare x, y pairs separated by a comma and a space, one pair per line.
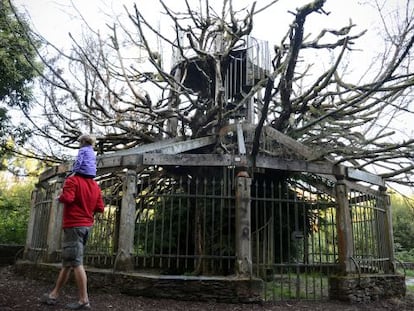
58, 195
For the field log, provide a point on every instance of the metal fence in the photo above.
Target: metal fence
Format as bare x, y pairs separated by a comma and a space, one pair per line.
369, 217
102, 244
294, 239
40, 220
186, 225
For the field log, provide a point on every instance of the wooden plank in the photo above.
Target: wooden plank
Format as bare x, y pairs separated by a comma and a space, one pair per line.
240, 140
108, 161
236, 160
294, 165
187, 145
145, 148
291, 143
309, 154
53, 171
364, 176
131, 161
126, 161
170, 146
187, 159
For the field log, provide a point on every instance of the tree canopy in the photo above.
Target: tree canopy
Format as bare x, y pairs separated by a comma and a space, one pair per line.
122, 88
18, 69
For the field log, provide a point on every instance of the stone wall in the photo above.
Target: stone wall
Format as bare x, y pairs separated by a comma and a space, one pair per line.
366, 288
197, 288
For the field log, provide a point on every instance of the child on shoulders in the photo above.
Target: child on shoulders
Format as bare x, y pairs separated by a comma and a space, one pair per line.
85, 163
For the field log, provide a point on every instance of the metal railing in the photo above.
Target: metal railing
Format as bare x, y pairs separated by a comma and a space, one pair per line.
184, 224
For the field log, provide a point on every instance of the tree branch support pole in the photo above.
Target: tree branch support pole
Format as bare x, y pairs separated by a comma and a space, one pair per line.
30, 224
54, 230
385, 203
124, 260
243, 226
344, 229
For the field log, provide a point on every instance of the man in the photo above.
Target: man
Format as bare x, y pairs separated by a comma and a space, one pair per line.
82, 198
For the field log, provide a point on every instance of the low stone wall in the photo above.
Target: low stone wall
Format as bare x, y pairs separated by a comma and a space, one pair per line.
200, 288
366, 288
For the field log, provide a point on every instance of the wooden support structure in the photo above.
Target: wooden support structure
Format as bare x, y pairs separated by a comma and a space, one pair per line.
389, 241
344, 229
55, 223
31, 222
243, 226
127, 223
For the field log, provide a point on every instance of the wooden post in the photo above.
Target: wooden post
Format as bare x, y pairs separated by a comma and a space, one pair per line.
54, 230
243, 227
344, 228
30, 225
127, 223
388, 231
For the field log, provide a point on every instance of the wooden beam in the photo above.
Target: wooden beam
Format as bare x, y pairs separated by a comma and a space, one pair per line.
294, 165
364, 176
291, 143
145, 148
238, 161
240, 140
53, 171
170, 146
309, 154
125, 161
188, 159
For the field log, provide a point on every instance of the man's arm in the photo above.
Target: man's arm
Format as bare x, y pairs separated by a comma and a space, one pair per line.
68, 192
100, 205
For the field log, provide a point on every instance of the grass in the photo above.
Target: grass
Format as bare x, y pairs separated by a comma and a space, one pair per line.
291, 286
408, 273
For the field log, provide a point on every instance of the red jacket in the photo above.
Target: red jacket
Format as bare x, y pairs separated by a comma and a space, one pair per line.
82, 198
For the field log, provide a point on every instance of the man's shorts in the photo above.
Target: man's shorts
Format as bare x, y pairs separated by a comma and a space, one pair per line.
74, 240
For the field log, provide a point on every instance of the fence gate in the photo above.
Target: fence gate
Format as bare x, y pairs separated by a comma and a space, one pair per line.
293, 239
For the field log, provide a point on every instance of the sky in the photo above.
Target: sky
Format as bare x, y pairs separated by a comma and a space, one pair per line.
55, 18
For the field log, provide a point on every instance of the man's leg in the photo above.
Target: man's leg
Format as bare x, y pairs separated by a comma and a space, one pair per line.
61, 280
82, 283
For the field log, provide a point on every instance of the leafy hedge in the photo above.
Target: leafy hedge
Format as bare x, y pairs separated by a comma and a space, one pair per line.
14, 212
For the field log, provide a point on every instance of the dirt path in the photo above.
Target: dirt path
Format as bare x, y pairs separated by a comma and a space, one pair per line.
21, 294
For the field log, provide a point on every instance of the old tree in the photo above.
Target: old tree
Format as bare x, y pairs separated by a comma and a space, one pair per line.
123, 88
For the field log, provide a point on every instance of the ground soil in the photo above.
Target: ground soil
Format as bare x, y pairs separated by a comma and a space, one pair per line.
20, 293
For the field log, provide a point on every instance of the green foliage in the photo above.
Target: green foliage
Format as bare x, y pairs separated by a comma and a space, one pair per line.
18, 69
296, 286
403, 225
409, 273
405, 255
17, 58
14, 211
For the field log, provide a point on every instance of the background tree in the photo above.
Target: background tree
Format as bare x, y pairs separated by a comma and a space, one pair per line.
121, 88
15, 197
403, 223
18, 69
